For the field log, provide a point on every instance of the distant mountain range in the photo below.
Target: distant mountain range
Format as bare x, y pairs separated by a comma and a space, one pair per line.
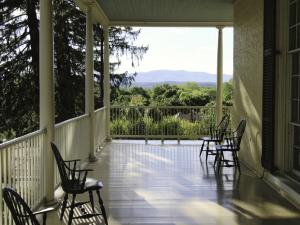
155, 77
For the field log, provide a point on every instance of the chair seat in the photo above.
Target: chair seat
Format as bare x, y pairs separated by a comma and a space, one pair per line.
92, 184
225, 148
208, 138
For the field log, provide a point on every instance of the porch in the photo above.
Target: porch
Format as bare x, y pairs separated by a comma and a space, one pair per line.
166, 183
160, 184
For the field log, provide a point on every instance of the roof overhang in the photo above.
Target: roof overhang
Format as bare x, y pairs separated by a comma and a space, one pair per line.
162, 12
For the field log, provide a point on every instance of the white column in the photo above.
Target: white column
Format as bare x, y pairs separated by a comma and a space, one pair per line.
219, 76
89, 81
47, 91
106, 80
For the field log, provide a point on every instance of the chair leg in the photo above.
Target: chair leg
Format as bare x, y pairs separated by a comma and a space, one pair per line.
102, 207
44, 218
202, 146
237, 161
92, 200
72, 210
207, 150
220, 159
64, 205
216, 158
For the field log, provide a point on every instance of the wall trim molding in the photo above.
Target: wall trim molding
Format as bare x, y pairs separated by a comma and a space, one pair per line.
283, 189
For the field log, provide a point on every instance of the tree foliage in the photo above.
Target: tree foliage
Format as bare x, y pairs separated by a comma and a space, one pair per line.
19, 65
187, 94
122, 42
69, 58
228, 93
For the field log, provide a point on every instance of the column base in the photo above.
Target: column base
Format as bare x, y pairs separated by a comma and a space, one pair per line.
92, 158
108, 139
52, 203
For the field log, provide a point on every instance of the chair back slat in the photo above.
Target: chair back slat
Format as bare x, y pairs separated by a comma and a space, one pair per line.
20, 211
64, 176
235, 141
219, 132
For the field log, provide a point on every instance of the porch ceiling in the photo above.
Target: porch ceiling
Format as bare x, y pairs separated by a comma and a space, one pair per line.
168, 12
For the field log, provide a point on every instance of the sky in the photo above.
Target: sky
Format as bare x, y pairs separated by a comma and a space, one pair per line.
190, 49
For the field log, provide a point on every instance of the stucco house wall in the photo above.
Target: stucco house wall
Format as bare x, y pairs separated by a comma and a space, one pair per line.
248, 76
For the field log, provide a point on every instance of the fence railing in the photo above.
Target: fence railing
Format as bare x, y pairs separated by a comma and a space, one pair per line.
22, 159
21, 166
162, 122
72, 140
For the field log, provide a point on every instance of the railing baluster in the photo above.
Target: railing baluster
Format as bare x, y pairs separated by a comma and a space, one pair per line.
40, 164
26, 174
9, 166
34, 171
31, 189
19, 169
5, 181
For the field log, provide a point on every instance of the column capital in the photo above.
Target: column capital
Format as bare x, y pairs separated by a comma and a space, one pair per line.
220, 28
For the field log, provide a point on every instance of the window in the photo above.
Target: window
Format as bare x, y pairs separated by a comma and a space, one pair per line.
294, 52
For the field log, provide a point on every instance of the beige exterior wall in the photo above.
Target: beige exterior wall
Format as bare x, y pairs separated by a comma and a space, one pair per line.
248, 71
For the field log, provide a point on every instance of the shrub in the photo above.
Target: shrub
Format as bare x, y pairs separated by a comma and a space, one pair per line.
137, 127
133, 114
151, 127
189, 129
120, 126
170, 125
155, 114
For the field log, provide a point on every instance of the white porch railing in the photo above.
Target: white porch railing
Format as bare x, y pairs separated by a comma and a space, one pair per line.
100, 128
162, 122
72, 140
22, 159
22, 167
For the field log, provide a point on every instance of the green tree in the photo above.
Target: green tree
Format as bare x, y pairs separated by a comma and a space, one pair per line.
190, 86
122, 42
139, 96
166, 95
19, 66
139, 91
228, 93
138, 100
19, 51
69, 58
194, 98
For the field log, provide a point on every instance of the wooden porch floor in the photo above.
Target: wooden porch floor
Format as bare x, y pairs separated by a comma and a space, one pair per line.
147, 184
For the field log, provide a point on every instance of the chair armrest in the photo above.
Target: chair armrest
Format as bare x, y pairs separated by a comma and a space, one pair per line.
78, 178
46, 210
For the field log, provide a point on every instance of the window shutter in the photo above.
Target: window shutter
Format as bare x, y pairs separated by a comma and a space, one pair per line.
268, 108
